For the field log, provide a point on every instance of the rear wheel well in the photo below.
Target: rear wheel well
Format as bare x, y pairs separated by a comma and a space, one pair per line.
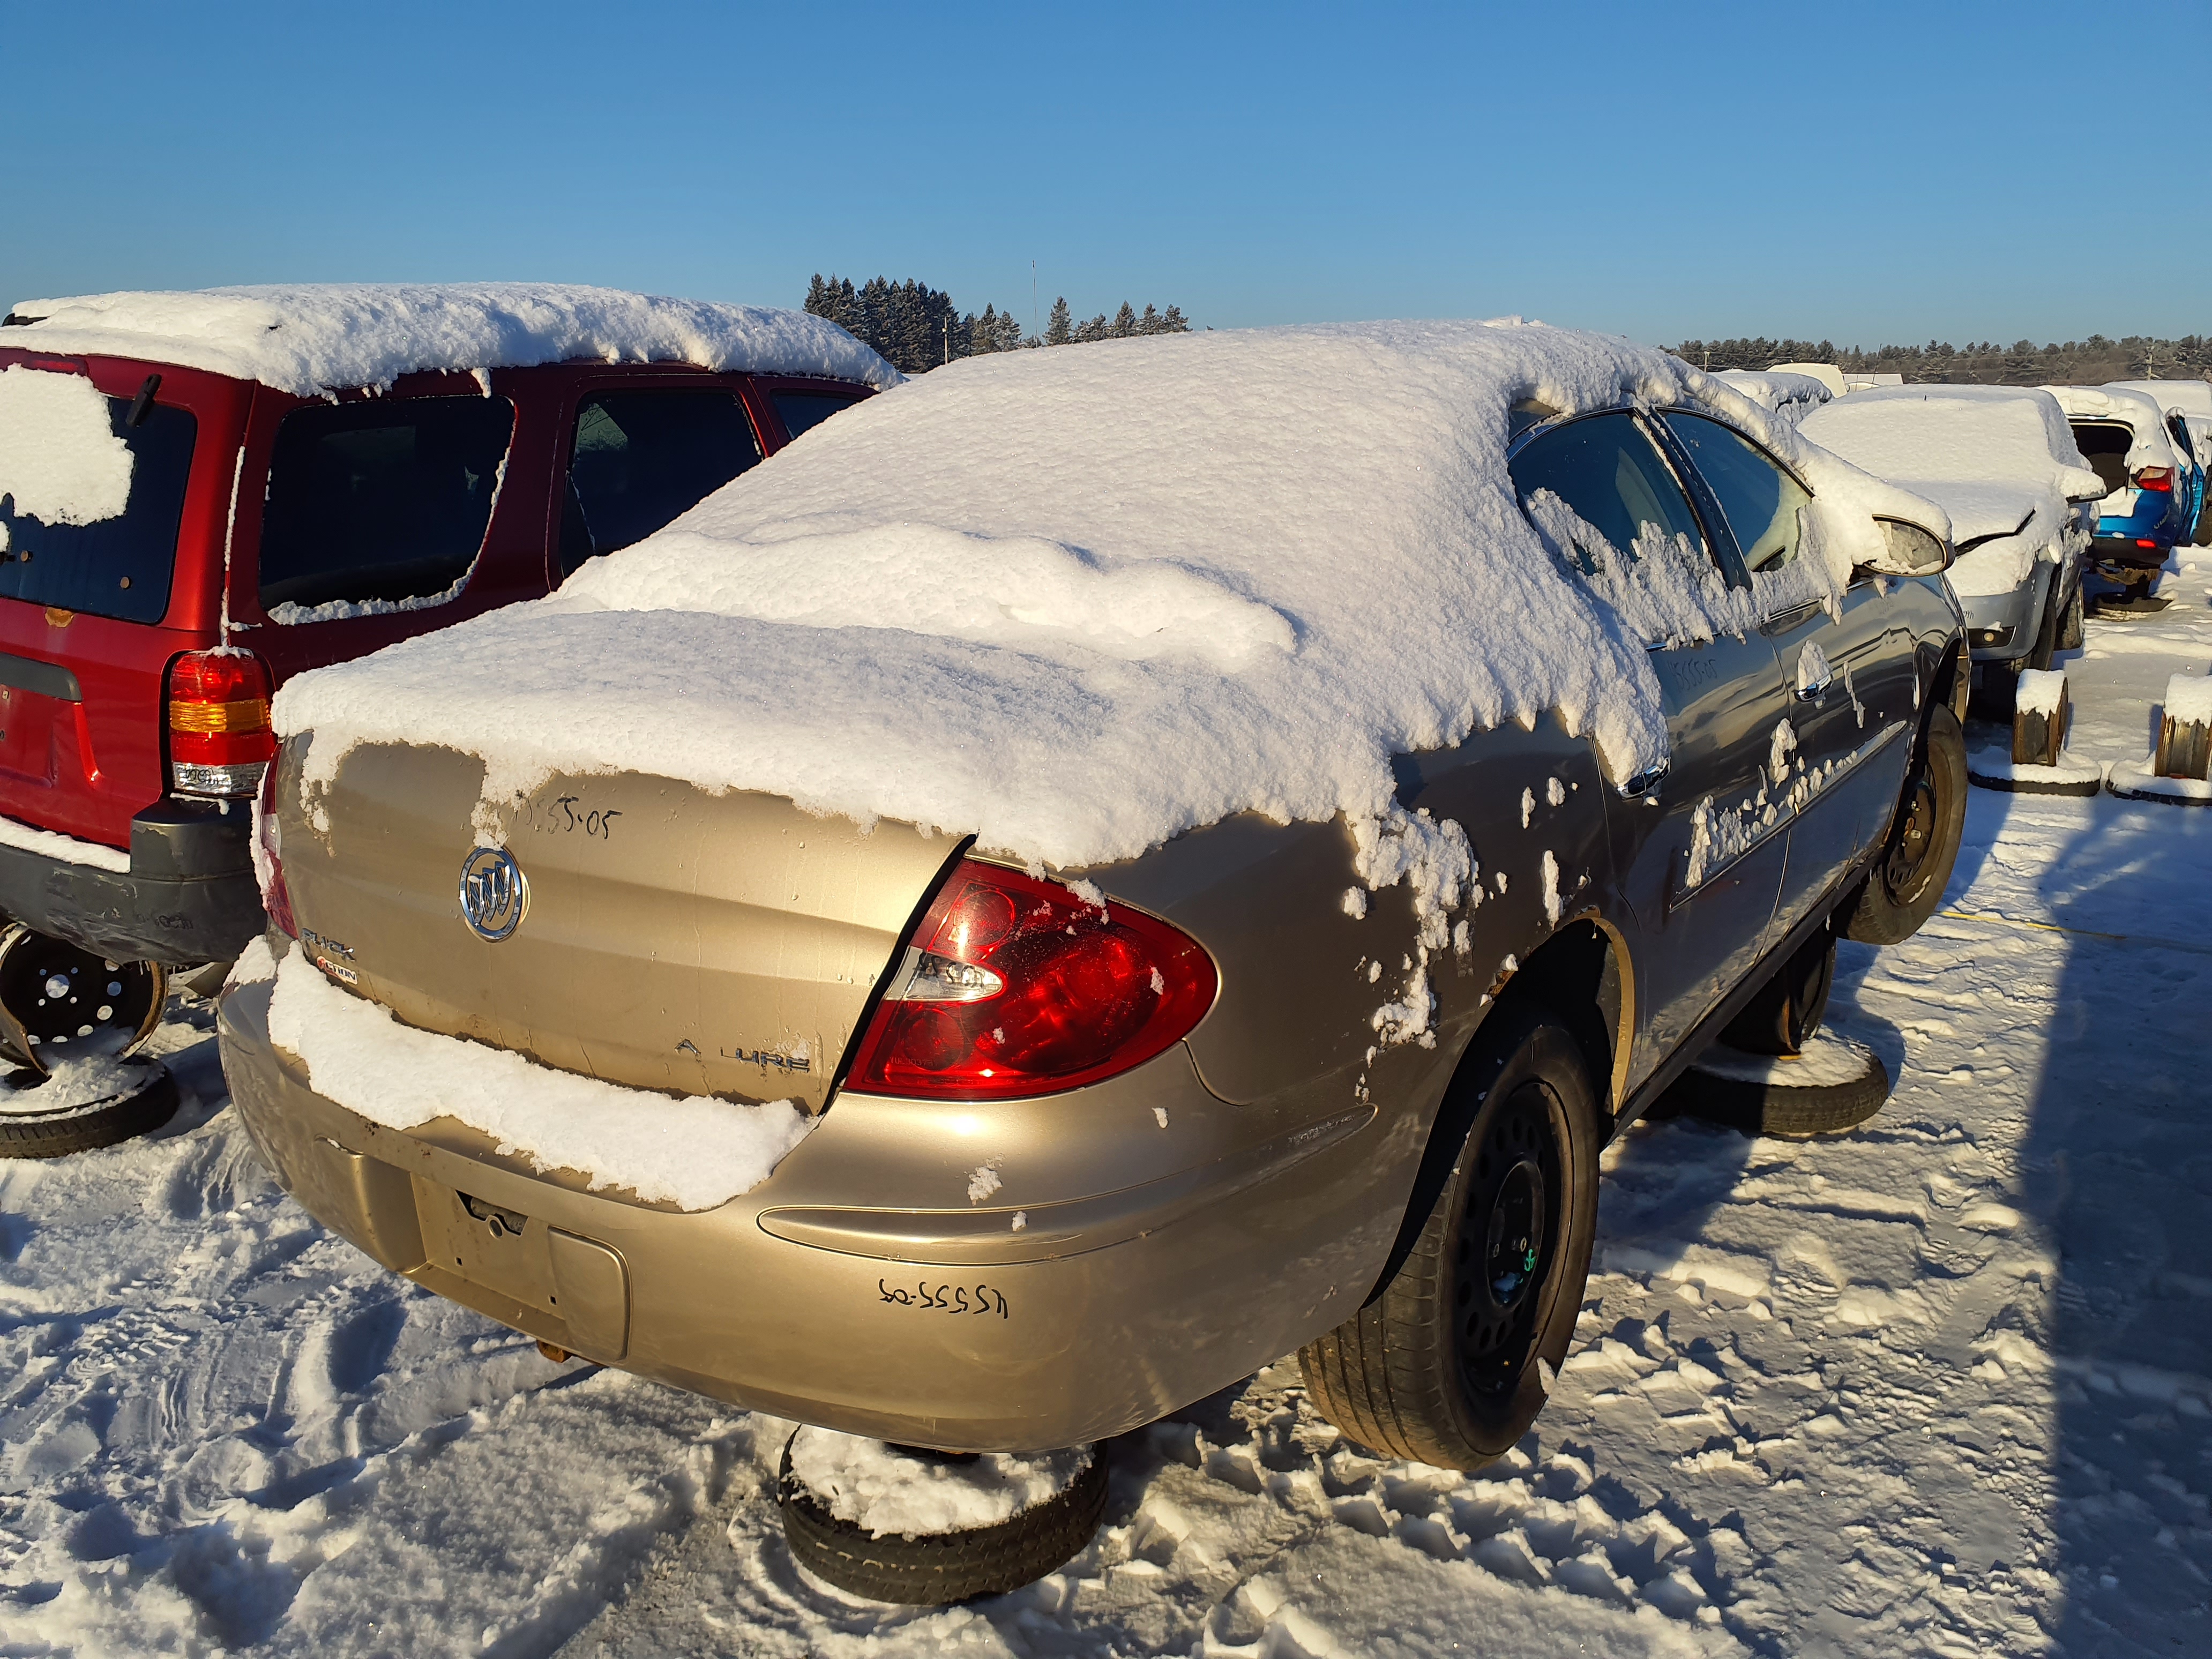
1577, 977
1953, 680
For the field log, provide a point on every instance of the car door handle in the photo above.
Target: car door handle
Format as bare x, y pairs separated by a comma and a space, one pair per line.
1644, 782
1814, 690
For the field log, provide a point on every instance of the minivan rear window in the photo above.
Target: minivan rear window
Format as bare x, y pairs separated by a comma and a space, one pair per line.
641, 458
802, 411
378, 506
117, 565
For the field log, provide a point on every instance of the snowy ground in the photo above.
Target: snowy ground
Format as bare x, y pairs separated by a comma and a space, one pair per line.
1942, 1386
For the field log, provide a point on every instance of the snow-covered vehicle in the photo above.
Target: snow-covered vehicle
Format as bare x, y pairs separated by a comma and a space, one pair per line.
2188, 406
2022, 502
202, 495
2154, 488
1100, 869
1787, 393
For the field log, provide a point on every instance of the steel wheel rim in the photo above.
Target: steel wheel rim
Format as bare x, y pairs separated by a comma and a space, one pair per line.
1507, 1241
1916, 835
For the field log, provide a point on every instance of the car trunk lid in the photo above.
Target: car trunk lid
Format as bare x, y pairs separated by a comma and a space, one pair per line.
672, 940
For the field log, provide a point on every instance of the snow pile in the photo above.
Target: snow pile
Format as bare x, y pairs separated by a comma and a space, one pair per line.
60, 456
1826, 1061
2000, 460
1085, 601
310, 338
74, 1083
1790, 395
49, 843
2189, 699
2041, 690
887, 1493
693, 1151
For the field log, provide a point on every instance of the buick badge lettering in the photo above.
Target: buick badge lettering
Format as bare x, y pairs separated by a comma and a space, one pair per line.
494, 893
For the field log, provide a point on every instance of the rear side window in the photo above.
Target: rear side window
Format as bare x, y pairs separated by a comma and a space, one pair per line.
641, 458
802, 411
379, 506
2105, 444
116, 562
1762, 501
1606, 469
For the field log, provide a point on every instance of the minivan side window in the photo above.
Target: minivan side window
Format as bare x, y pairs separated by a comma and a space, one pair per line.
118, 567
1761, 500
642, 458
802, 411
380, 505
1607, 472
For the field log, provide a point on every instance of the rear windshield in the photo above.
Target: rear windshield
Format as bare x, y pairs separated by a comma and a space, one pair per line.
115, 562
2105, 446
802, 411
378, 506
641, 458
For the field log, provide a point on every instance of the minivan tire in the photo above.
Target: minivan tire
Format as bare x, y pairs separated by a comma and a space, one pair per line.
1910, 873
139, 1110
1439, 1366
944, 1568
2073, 631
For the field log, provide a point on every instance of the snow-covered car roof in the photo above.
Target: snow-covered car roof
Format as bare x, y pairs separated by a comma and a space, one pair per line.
2143, 416
2000, 460
1077, 601
1782, 391
314, 338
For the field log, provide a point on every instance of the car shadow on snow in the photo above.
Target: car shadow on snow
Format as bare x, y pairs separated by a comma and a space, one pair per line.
2113, 1175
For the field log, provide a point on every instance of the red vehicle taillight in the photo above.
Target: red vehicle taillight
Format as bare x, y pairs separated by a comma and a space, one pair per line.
1014, 986
2160, 478
268, 857
220, 740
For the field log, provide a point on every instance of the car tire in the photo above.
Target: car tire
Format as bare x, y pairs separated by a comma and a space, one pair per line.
2200, 535
1777, 1108
1914, 866
1787, 1009
140, 1109
1442, 1364
943, 1568
2074, 631
2046, 634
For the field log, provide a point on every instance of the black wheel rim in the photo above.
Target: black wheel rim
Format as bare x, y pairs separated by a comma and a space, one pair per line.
1915, 838
1507, 1239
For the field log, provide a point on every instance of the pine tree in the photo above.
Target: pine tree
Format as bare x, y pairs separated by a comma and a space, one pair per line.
1058, 330
1172, 321
1125, 322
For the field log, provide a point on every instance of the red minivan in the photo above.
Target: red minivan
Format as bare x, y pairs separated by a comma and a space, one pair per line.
255, 523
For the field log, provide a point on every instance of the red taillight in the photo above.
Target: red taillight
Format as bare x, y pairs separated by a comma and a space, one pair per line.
2160, 478
220, 740
1013, 986
268, 857
2145, 541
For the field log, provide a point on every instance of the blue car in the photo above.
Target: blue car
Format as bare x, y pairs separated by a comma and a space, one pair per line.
2156, 487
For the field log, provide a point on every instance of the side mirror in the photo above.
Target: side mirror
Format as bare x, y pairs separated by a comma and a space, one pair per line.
1910, 550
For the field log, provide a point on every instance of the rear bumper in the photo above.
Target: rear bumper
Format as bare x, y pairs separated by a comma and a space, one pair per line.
190, 895
854, 1289
2123, 550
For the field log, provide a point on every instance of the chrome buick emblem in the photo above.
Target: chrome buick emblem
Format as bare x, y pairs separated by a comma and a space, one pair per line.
494, 893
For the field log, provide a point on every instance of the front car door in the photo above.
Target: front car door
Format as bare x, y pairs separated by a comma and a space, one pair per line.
1836, 761
1695, 848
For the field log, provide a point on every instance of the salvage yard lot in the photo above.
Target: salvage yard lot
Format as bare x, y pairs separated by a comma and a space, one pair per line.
1937, 1385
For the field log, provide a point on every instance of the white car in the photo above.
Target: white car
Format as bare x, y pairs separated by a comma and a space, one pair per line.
2001, 461
1779, 390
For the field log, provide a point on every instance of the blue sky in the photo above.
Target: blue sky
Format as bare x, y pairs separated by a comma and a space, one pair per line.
1868, 172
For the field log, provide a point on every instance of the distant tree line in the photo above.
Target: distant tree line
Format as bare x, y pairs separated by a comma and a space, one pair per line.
2075, 362
919, 328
